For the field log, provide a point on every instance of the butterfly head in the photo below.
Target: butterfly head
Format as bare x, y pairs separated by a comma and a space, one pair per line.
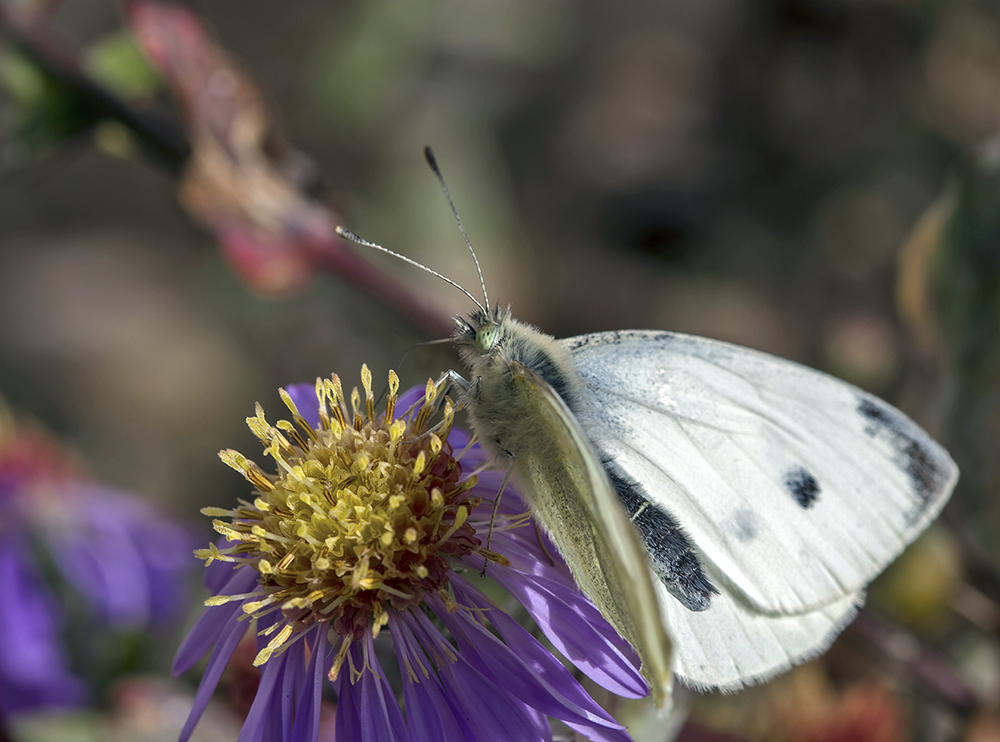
481, 333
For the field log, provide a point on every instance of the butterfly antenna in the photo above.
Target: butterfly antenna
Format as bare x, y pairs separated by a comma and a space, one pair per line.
432, 161
349, 235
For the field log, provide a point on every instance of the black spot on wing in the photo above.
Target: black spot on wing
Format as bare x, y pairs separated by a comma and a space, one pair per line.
802, 486
912, 456
671, 553
878, 415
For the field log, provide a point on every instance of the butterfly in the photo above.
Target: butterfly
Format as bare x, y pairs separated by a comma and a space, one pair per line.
725, 509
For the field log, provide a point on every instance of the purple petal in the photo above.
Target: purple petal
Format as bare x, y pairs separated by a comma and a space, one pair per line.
565, 615
122, 555
34, 669
293, 682
577, 629
508, 670
428, 713
542, 726
213, 621
224, 648
545, 666
271, 726
522, 547
304, 397
381, 719
459, 439
412, 396
489, 711
256, 721
348, 721
307, 718
218, 573
97, 557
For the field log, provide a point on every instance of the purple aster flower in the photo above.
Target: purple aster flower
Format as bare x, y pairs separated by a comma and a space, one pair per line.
118, 556
373, 527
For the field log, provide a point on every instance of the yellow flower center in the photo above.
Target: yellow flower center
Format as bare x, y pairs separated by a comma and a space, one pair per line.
361, 516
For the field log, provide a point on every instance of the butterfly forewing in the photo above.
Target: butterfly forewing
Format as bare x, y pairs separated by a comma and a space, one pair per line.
795, 488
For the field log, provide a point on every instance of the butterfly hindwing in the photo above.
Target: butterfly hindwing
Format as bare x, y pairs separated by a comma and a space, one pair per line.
730, 645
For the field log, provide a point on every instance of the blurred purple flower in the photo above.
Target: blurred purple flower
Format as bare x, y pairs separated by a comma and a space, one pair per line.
385, 523
59, 534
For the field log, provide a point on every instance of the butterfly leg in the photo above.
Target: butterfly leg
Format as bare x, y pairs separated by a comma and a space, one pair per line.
450, 380
496, 505
541, 543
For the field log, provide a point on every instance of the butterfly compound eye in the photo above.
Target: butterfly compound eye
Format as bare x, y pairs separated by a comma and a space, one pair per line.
486, 337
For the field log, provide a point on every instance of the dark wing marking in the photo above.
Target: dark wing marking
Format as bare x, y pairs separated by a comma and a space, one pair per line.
670, 551
926, 476
802, 486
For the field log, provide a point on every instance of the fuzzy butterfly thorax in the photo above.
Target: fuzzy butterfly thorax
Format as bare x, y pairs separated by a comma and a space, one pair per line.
494, 348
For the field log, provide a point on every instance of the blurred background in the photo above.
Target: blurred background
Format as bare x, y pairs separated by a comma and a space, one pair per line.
818, 179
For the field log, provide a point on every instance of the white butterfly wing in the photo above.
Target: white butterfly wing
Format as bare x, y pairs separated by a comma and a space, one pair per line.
795, 488
730, 645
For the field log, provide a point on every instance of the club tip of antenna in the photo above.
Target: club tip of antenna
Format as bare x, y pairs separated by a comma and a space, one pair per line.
431, 159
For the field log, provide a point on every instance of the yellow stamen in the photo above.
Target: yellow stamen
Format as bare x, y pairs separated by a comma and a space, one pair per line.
338, 661
265, 654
